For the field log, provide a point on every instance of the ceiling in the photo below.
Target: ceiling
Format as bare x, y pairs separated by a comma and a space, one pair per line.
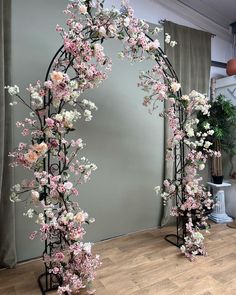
221, 12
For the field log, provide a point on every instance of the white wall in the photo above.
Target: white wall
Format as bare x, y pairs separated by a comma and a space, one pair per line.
124, 140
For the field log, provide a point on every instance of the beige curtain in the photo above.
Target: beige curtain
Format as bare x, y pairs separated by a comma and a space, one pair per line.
7, 220
191, 59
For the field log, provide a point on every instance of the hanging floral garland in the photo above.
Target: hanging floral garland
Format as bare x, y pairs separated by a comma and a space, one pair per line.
59, 103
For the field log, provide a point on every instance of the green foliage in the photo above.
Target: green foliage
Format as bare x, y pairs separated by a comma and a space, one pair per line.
222, 120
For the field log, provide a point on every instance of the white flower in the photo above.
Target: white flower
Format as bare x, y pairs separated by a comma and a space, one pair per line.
17, 187
98, 47
85, 101
92, 106
93, 167
70, 216
34, 95
210, 132
207, 126
14, 197
74, 84
88, 115
13, 103
40, 219
58, 117
29, 213
102, 31
121, 55
189, 130
13, 90
201, 167
207, 144
157, 30
173, 43
167, 38
49, 213
83, 9
126, 21
34, 195
175, 86
157, 189
87, 247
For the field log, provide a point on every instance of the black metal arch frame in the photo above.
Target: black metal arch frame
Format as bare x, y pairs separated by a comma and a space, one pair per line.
48, 281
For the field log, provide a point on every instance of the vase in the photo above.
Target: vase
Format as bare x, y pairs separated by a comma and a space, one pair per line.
231, 67
217, 179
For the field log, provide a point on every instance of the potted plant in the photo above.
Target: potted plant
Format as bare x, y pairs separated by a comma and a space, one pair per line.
222, 120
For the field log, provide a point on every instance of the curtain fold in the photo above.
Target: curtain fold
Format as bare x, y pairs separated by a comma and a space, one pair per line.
191, 60
7, 213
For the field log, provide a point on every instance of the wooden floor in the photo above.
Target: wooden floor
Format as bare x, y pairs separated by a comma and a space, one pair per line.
145, 264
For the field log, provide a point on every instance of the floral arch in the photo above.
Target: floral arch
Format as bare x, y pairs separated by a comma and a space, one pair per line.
58, 103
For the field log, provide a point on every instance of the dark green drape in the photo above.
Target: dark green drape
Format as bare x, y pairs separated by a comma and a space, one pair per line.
191, 57
191, 60
7, 214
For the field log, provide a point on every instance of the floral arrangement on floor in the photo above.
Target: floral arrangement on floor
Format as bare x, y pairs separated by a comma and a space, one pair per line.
56, 106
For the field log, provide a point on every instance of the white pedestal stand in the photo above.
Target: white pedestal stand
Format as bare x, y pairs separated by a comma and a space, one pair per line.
219, 215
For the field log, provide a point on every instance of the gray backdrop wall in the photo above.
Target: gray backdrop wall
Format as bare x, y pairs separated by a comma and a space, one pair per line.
123, 140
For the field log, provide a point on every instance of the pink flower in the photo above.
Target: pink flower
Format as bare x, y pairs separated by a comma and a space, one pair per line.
83, 9
57, 77
49, 122
25, 132
61, 188
59, 256
33, 235
74, 191
31, 157
80, 217
68, 185
41, 148
56, 270
21, 146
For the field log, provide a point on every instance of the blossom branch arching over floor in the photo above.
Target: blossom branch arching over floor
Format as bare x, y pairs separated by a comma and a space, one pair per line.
58, 103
